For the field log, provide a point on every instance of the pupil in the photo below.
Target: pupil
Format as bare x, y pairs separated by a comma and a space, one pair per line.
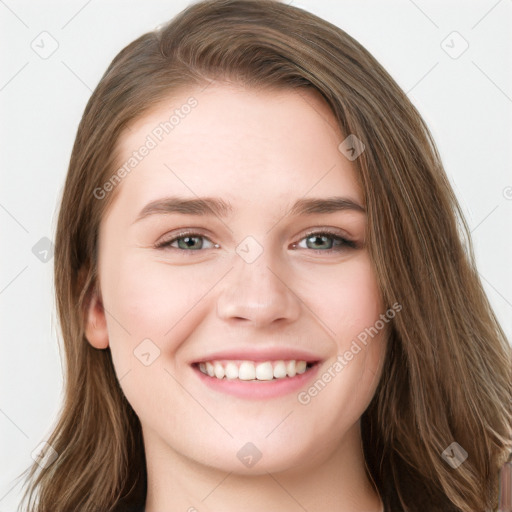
189, 241
318, 239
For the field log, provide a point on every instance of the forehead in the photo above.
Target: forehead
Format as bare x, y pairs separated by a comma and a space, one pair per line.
237, 142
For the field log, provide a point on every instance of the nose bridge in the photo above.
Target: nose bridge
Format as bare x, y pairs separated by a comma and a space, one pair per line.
254, 290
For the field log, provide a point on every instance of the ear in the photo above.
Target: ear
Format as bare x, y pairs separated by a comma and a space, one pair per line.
95, 322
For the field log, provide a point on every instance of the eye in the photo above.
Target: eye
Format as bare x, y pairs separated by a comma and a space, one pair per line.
319, 241
186, 242
325, 241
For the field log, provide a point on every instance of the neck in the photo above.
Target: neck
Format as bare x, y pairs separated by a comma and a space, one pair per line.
338, 482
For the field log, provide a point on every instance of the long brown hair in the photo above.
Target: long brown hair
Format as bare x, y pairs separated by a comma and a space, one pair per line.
447, 375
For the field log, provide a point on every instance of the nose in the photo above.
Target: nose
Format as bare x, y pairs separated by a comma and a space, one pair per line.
258, 294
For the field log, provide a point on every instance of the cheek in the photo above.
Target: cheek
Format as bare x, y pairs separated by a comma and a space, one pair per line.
362, 333
153, 308
347, 299
351, 310
146, 299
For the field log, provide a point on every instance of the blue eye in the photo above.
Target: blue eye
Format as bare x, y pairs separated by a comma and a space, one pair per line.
337, 243
187, 242
191, 242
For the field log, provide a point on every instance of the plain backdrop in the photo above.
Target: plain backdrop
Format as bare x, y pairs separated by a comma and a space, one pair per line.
53, 55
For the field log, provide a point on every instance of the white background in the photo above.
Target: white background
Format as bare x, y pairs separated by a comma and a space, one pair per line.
467, 103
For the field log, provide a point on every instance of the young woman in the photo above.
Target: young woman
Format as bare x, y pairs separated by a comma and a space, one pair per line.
266, 287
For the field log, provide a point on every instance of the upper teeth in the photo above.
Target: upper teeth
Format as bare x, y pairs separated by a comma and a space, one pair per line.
250, 370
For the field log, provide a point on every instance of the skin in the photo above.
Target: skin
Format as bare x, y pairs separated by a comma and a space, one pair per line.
260, 151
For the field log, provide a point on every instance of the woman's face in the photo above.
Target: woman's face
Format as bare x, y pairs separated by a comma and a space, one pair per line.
251, 288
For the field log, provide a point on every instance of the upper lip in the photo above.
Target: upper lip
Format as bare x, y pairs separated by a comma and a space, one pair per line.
263, 354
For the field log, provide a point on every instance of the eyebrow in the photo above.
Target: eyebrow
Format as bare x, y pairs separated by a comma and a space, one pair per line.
216, 206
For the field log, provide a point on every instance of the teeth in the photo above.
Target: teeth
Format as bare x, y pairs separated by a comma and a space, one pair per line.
247, 371
290, 369
219, 370
231, 371
250, 370
264, 371
280, 370
300, 366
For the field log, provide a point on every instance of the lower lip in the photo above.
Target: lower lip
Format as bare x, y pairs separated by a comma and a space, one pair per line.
258, 389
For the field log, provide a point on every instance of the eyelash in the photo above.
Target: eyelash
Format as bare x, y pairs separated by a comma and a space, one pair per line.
344, 242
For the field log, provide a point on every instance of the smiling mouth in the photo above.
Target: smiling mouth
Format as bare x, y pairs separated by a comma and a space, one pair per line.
244, 370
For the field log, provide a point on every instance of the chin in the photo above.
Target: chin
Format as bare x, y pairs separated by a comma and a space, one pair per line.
259, 457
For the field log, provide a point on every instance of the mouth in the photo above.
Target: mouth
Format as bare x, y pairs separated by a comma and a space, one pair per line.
245, 370
249, 379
